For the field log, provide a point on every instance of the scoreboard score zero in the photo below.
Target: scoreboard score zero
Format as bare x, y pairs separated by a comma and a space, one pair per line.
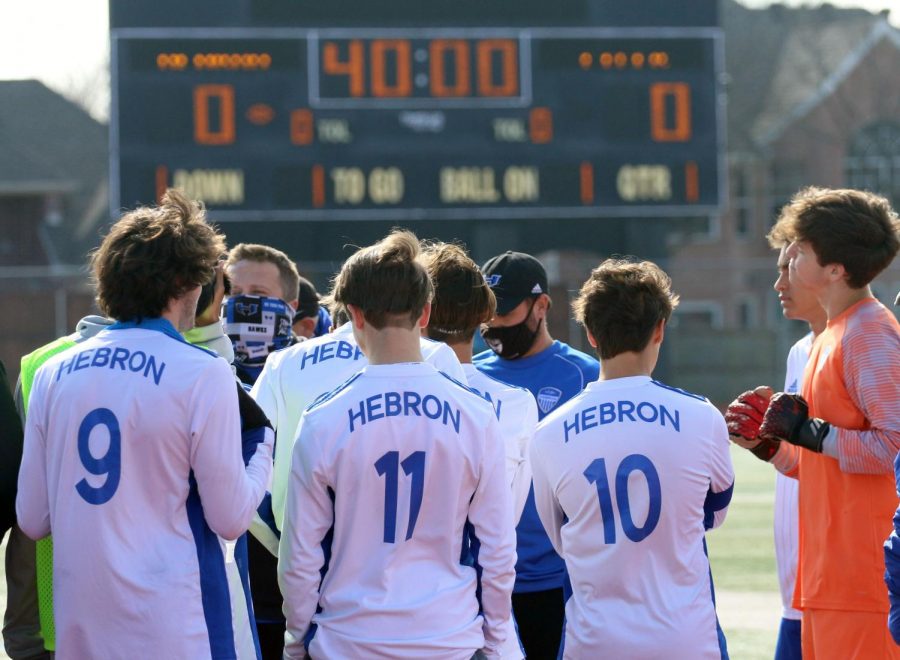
355, 123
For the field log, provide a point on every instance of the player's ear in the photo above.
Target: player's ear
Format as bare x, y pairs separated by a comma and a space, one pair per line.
425, 317
590, 338
659, 332
837, 272
356, 316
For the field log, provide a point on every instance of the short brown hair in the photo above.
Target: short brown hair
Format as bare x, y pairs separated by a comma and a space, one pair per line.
153, 255
287, 270
621, 304
462, 299
854, 228
385, 281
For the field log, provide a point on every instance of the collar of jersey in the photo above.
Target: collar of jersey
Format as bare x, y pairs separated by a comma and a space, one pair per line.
398, 369
158, 324
620, 383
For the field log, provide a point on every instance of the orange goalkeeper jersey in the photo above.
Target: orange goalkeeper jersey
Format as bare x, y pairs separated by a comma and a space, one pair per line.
847, 504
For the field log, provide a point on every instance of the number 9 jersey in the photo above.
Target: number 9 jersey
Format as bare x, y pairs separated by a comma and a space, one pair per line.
628, 475
133, 459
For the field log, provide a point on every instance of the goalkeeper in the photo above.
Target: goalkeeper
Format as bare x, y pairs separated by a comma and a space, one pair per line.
840, 438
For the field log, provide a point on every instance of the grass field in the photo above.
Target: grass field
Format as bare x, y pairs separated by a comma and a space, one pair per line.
742, 556
743, 564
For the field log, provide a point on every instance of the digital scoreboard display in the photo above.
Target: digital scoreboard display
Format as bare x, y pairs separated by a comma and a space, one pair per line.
431, 122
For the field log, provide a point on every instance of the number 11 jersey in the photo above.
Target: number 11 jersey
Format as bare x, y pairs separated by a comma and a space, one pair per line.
628, 475
400, 474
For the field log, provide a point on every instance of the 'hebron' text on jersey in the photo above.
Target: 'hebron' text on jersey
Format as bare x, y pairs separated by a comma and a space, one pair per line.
627, 506
620, 411
414, 515
342, 350
138, 481
109, 358
391, 404
296, 376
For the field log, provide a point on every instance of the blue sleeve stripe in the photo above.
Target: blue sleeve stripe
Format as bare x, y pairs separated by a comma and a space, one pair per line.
267, 515
333, 393
243, 564
213, 581
720, 634
471, 546
715, 502
462, 385
250, 441
678, 391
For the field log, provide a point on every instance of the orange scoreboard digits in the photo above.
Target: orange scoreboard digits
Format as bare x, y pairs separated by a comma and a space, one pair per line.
433, 121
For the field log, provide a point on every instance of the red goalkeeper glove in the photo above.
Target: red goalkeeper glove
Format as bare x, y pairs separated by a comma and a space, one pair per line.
744, 417
787, 418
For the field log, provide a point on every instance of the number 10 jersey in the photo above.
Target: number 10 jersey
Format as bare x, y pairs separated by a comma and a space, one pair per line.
628, 475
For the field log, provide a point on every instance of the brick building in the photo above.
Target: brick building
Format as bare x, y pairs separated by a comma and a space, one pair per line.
813, 99
53, 202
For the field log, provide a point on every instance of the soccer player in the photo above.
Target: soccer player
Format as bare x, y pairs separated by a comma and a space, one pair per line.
524, 354
797, 303
133, 458
295, 377
628, 475
841, 437
462, 303
400, 473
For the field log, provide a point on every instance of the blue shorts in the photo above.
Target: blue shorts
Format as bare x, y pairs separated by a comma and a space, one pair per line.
788, 646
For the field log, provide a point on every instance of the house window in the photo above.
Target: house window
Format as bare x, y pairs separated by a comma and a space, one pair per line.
873, 160
741, 199
747, 313
695, 315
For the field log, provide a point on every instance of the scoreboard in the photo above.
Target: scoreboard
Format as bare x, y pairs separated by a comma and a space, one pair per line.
432, 120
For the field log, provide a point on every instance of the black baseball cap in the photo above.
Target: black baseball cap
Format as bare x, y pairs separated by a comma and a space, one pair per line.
513, 277
307, 301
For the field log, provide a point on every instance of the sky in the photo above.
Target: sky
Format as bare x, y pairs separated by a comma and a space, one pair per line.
64, 43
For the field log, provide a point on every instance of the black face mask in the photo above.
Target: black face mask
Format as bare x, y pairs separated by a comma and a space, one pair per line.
512, 341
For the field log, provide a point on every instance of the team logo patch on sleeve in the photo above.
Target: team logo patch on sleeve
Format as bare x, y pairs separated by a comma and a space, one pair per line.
547, 398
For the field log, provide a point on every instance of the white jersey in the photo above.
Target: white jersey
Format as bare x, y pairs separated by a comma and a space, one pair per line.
787, 520
516, 411
405, 467
133, 459
295, 377
628, 475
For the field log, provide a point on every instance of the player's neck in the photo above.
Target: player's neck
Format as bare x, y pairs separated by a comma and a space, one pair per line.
392, 345
628, 364
463, 350
817, 325
838, 298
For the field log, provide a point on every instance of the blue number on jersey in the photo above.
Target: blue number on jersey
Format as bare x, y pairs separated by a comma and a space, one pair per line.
388, 467
109, 464
596, 474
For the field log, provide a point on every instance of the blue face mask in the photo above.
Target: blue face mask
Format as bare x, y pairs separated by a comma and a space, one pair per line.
257, 326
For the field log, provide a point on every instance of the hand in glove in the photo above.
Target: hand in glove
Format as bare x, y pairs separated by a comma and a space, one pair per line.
787, 419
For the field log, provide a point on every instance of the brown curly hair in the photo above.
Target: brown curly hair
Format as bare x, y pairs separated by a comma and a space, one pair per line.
621, 304
153, 255
854, 228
